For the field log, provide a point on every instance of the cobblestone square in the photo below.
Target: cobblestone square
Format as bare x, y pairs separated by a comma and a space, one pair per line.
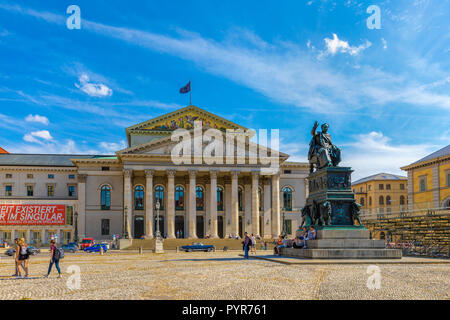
218, 275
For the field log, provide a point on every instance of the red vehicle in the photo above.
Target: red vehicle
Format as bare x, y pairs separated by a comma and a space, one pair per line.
86, 242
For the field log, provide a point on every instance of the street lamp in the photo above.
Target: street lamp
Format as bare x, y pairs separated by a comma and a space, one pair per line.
158, 233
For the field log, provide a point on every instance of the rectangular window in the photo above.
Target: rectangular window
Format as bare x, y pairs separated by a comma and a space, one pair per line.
50, 191
71, 176
8, 191
51, 176
381, 187
370, 187
423, 183
8, 176
29, 191
448, 179
29, 176
69, 215
105, 168
105, 227
288, 226
388, 187
287, 171
71, 190
402, 186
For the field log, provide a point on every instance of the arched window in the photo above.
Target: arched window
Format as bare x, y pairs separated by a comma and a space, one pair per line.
105, 197
260, 198
388, 200
219, 199
370, 201
381, 200
240, 202
362, 201
199, 198
402, 200
159, 196
179, 198
139, 198
287, 199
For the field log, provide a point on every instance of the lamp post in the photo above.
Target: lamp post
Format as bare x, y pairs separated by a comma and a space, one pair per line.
158, 232
76, 227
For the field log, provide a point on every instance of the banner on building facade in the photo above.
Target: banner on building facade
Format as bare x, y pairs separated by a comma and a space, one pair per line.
32, 214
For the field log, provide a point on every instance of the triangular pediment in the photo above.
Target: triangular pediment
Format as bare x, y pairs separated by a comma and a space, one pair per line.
184, 119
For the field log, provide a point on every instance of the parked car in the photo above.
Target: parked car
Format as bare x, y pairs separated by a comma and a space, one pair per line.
198, 246
70, 248
34, 251
86, 242
96, 248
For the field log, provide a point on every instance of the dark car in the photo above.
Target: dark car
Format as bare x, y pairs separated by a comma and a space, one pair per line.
198, 246
69, 248
96, 248
34, 251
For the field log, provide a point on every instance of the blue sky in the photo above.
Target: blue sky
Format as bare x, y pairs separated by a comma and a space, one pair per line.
262, 64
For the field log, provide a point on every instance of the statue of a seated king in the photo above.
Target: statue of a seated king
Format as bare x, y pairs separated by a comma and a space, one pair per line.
322, 152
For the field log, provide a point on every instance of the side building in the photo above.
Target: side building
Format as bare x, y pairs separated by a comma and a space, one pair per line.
74, 196
429, 181
381, 193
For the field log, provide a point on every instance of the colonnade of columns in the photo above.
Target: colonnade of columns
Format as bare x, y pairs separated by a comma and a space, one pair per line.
271, 211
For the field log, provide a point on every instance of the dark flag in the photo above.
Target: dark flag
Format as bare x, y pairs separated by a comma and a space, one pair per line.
186, 88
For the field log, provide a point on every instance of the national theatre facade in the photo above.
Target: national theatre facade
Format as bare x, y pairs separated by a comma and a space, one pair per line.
77, 196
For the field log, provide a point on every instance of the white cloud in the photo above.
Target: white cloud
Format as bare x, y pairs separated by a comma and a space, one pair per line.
93, 89
112, 147
37, 118
384, 43
336, 45
33, 136
374, 152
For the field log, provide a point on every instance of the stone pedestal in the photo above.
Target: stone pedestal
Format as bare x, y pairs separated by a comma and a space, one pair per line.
343, 243
159, 247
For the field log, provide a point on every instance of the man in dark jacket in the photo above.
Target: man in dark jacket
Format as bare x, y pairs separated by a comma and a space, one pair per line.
247, 243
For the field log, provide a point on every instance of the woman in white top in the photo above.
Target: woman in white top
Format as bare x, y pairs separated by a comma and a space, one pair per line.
253, 244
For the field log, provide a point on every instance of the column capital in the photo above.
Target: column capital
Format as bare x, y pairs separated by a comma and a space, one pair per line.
127, 173
82, 178
192, 173
149, 173
255, 173
235, 174
171, 173
213, 174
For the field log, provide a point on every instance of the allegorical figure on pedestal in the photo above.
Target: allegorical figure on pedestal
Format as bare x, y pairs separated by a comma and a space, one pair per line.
322, 152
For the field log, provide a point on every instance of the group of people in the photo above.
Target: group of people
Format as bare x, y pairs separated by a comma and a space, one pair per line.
22, 255
249, 244
299, 242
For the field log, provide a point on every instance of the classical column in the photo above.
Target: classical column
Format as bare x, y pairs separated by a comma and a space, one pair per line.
213, 204
435, 185
192, 205
170, 216
227, 209
267, 209
127, 201
247, 223
255, 203
275, 206
206, 204
410, 187
149, 203
81, 207
28, 236
43, 236
234, 203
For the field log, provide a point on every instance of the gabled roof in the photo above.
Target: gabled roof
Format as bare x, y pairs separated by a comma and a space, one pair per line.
380, 177
437, 155
181, 118
3, 151
42, 160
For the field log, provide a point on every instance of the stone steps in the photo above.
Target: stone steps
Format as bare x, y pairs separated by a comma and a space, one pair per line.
343, 253
345, 243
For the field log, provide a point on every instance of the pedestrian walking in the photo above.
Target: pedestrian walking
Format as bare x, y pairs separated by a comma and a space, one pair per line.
16, 255
55, 256
22, 258
253, 244
246, 245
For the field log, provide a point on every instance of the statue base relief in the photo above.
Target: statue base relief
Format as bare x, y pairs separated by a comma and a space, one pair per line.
159, 246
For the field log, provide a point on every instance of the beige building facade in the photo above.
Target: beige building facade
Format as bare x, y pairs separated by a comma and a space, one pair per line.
218, 196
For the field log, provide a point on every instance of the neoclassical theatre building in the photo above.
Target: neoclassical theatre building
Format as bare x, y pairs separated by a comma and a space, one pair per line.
76, 196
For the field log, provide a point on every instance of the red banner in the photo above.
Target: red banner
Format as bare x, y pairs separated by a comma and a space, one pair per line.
32, 214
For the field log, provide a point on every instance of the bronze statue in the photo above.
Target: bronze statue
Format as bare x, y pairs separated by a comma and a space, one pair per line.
322, 152
325, 213
306, 217
354, 210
